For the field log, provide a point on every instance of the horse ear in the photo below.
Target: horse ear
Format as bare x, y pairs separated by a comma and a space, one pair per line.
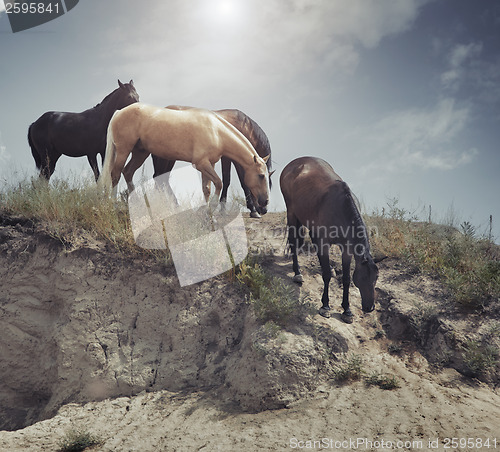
272, 172
120, 84
131, 82
266, 158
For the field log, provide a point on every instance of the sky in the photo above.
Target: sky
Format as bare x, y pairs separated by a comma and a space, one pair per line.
401, 97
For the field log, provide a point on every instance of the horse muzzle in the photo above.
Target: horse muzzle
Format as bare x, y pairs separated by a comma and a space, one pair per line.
261, 206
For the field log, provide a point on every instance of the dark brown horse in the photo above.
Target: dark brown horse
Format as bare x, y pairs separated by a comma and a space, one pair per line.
253, 132
317, 198
76, 134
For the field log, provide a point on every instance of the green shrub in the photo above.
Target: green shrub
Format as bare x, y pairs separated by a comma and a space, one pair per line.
78, 440
479, 359
272, 299
350, 370
387, 382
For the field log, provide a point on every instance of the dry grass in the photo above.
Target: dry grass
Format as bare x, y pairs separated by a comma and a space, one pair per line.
468, 263
66, 209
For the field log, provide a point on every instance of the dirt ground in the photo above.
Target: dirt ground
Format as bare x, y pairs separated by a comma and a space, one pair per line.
182, 371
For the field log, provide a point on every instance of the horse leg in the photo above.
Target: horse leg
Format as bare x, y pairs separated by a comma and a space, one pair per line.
248, 193
346, 282
208, 175
226, 179
117, 167
161, 166
139, 155
161, 176
93, 164
295, 242
323, 252
49, 164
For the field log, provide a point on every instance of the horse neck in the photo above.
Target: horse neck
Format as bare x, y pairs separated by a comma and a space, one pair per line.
245, 158
109, 105
360, 238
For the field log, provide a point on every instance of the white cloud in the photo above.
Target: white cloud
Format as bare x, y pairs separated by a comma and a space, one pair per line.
265, 43
472, 72
419, 139
460, 59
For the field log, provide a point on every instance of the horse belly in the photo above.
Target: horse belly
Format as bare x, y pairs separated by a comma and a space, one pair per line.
75, 137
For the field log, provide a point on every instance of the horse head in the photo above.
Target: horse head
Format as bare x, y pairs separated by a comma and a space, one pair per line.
257, 180
365, 277
127, 94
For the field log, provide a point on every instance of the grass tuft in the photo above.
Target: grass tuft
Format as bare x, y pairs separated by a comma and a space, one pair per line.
78, 440
350, 370
468, 264
272, 299
387, 382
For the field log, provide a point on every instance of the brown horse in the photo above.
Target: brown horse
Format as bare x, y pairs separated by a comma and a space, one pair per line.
58, 133
195, 135
252, 131
317, 198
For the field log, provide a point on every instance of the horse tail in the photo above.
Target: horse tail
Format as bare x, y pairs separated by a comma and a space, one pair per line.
34, 152
105, 180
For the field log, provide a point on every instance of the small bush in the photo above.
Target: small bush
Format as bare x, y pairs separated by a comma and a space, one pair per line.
78, 440
479, 359
350, 370
383, 381
272, 299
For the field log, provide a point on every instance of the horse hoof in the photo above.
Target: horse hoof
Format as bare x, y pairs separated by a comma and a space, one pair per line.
298, 279
324, 312
347, 317
254, 215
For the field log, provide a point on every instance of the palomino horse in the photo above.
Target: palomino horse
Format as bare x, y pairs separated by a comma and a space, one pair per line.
252, 131
317, 198
76, 134
195, 135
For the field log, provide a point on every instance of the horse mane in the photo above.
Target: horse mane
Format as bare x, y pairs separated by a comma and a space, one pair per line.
258, 135
352, 204
107, 97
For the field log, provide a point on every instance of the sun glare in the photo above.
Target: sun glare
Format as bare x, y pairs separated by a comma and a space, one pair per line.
224, 9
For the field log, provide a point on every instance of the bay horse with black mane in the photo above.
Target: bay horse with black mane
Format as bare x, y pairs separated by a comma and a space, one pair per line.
192, 135
252, 131
318, 199
76, 134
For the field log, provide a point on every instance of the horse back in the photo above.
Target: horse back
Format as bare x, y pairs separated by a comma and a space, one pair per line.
250, 129
164, 132
313, 192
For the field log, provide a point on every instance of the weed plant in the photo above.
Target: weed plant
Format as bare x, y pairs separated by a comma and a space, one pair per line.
351, 370
468, 263
387, 382
479, 359
78, 440
272, 299
64, 206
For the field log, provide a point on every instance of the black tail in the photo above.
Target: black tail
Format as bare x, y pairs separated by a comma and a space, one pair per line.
34, 152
